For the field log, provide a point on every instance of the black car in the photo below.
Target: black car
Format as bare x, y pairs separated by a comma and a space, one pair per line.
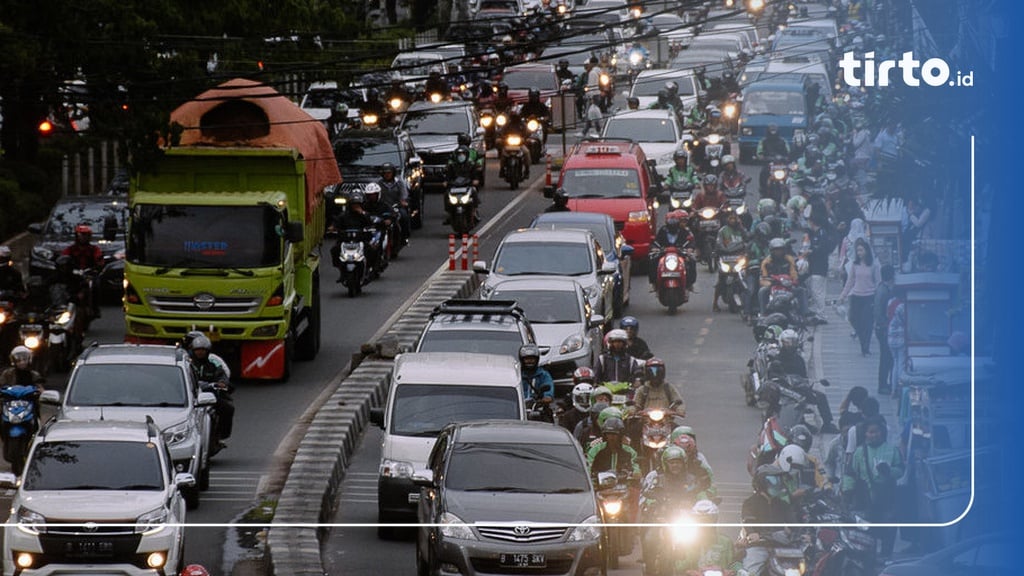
434, 129
106, 215
360, 154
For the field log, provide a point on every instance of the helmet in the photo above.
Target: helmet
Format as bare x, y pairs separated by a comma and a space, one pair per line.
711, 180
680, 431
773, 128
789, 338
630, 322
680, 153
662, 95
583, 375
654, 369
21, 353
599, 391
617, 335
672, 453
714, 112
777, 243
797, 203
461, 154
563, 63
5, 255
435, 70
387, 167
613, 424
561, 196
194, 570
529, 351
372, 189
356, 197
801, 436
186, 341
581, 396
679, 214
728, 159
766, 206
791, 455
763, 229
671, 86
83, 229
633, 101
502, 89
609, 412
464, 139
706, 509
201, 342
687, 443
534, 93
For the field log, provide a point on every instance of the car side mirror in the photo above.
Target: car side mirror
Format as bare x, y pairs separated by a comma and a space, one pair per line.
206, 399
608, 268
294, 232
8, 480
377, 417
425, 480
596, 321
824, 383
184, 480
51, 397
36, 227
480, 267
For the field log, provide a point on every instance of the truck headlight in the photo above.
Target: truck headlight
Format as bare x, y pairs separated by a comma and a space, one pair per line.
396, 469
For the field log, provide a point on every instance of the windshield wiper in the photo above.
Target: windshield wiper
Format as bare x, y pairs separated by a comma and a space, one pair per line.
587, 196
138, 487
162, 405
216, 272
567, 491
178, 264
85, 487
420, 434
498, 489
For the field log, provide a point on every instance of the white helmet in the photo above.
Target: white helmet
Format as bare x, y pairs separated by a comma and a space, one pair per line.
802, 266
372, 188
581, 396
617, 334
791, 455
20, 353
727, 159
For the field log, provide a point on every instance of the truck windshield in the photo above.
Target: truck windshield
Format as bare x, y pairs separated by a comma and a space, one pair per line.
775, 103
204, 236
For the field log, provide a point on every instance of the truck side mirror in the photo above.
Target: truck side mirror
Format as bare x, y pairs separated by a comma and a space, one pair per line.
294, 232
110, 228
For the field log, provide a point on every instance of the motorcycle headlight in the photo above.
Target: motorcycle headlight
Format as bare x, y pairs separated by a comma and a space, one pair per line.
793, 572
571, 344
756, 5
593, 291
395, 103
514, 140
741, 263
30, 521
712, 573
176, 434
724, 266
466, 198
396, 469
746, 131
340, 200
151, 522
656, 415
453, 527
684, 531
656, 204
435, 97
64, 317
714, 138
635, 58
604, 79
657, 444
501, 119
612, 507
370, 119
779, 174
708, 213
562, 8
675, 203
453, 199
589, 529
687, 203
3, 316
672, 263
532, 125
486, 121
729, 111
31, 342
742, 208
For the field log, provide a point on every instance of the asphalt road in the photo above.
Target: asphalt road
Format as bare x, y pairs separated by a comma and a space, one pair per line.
705, 353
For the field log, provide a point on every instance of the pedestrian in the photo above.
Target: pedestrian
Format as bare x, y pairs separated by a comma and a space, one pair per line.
857, 229
881, 312
869, 483
896, 337
912, 222
860, 290
821, 246
593, 116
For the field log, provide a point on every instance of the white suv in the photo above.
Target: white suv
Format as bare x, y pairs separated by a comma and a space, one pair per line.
97, 497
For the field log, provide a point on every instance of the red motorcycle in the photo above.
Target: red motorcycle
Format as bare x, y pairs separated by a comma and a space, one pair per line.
650, 431
671, 280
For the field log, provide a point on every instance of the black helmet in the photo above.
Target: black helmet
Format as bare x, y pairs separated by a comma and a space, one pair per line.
801, 436
356, 197
662, 95
387, 167
680, 153
372, 94
502, 88
464, 139
529, 351
711, 180
633, 101
561, 197
563, 63
534, 93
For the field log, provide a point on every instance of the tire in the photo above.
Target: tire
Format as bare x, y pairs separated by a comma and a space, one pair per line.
611, 551
617, 306
15, 452
387, 533
59, 359
289, 356
352, 290
308, 344
422, 566
204, 477
672, 309
191, 496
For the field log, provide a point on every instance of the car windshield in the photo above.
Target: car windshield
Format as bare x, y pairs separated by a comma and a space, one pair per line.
127, 385
650, 85
414, 66
714, 60
94, 465
545, 306
776, 103
365, 154
544, 258
668, 22
437, 121
641, 129
602, 183
176, 236
481, 341
423, 409
97, 215
597, 228
515, 467
526, 79
321, 99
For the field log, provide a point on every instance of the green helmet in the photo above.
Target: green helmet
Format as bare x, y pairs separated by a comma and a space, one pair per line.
774, 332
672, 453
609, 412
681, 431
766, 206
613, 425
797, 203
599, 390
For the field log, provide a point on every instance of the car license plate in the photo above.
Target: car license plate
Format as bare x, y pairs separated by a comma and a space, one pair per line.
414, 497
523, 560
89, 548
714, 150
709, 224
619, 399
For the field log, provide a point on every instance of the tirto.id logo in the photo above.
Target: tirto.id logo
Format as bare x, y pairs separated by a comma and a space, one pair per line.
933, 72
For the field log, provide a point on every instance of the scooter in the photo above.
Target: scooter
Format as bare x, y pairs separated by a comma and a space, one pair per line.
846, 550
777, 183
462, 206
671, 280
352, 260
730, 286
706, 225
18, 422
513, 159
616, 499
655, 426
32, 334
535, 138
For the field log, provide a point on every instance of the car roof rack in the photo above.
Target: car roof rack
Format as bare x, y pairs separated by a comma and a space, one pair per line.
487, 307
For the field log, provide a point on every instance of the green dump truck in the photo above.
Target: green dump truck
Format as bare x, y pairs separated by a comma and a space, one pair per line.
225, 231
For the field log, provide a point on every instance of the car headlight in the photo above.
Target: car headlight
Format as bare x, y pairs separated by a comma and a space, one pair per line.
514, 140
454, 527
176, 434
589, 529
672, 263
30, 521
151, 522
639, 216
42, 253
486, 291
593, 291
684, 531
612, 507
396, 469
747, 131
571, 344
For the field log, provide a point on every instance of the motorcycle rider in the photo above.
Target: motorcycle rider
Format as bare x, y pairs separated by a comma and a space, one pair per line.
186, 343
534, 108
712, 548
633, 103
655, 393
791, 362
395, 192
503, 103
757, 251
637, 347
670, 488
212, 378
770, 147
516, 125
812, 477
354, 217
463, 168
673, 233
775, 490
615, 364
374, 206
536, 382
563, 72
436, 84
611, 453
588, 430
779, 263
732, 239
397, 90
20, 372
372, 104
63, 273
87, 256
730, 176
672, 92
681, 173
561, 202
11, 281
580, 395
709, 196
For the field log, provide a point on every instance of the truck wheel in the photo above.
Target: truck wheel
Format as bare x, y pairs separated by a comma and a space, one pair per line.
289, 355
309, 343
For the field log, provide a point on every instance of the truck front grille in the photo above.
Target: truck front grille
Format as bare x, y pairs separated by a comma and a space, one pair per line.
221, 306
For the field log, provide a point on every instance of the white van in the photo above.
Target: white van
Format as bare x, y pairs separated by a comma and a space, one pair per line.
412, 68
428, 391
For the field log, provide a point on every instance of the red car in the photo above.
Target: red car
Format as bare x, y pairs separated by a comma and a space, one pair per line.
613, 177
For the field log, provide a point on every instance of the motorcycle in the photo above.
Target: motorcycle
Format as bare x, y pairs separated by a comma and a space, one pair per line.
680, 195
535, 138
671, 279
538, 411
218, 389
731, 286
461, 206
491, 121
706, 152
777, 183
18, 422
351, 260
782, 300
32, 334
708, 223
649, 431
668, 547
8, 317
64, 338
784, 558
513, 159
849, 550
789, 399
616, 499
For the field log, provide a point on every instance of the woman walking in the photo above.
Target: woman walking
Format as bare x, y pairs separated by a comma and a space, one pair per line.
865, 276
